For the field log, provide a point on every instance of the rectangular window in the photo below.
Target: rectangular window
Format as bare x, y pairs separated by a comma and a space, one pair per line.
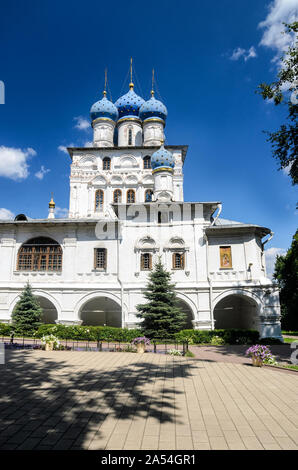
100, 258
178, 260
225, 253
146, 262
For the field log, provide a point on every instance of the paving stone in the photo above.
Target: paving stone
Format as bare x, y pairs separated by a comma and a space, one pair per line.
80, 400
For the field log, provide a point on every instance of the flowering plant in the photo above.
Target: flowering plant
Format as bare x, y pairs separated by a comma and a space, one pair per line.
175, 352
141, 339
47, 339
261, 352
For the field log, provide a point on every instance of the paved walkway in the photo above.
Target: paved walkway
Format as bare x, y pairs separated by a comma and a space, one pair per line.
89, 400
236, 353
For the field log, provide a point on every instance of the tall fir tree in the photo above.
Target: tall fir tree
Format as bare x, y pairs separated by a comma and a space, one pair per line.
27, 313
286, 274
161, 315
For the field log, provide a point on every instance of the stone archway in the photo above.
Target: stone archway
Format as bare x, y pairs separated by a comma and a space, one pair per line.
188, 312
101, 311
49, 311
236, 310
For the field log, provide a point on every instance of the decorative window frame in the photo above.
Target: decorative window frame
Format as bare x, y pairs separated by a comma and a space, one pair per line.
141, 248
176, 245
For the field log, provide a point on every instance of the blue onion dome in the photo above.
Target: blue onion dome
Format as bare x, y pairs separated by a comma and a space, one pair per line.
162, 158
104, 109
153, 108
128, 105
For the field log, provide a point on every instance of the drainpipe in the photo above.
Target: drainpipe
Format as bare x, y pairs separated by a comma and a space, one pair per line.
264, 243
209, 280
118, 271
219, 206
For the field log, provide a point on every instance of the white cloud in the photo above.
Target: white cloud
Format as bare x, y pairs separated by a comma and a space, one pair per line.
61, 213
270, 256
88, 144
40, 173
246, 54
82, 123
14, 162
6, 214
63, 148
280, 11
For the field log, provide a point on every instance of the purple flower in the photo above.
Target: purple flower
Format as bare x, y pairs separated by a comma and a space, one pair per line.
141, 339
260, 351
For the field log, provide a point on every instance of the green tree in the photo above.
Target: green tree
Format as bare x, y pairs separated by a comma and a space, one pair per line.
286, 274
161, 315
27, 313
284, 91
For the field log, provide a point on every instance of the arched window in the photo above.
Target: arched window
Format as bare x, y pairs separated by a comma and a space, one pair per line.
147, 162
131, 196
148, 195
117, 195
106, 163
129, 136
99, 198
146, 261
40, 254
178, 261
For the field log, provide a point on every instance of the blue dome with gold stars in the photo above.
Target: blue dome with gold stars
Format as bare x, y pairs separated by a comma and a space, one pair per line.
162, 158
104, 109
153, 108
129, 104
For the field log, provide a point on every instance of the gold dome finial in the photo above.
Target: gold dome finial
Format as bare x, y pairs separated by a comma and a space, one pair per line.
162, 141
52, 204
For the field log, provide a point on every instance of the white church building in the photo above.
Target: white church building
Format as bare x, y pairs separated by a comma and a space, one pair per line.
126, 210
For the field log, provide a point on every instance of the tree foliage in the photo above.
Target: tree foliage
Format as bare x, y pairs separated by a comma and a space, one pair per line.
27, 313
161, 315
286, 274
284, 91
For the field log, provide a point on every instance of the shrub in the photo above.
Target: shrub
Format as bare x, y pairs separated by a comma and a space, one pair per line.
270, 341
229, 336
189, 353
89, 333
5, 329
217, 341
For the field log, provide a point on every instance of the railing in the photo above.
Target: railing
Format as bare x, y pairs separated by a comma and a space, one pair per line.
157, 346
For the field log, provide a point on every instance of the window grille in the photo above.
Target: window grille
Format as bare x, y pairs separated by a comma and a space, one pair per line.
100, 258
40, 254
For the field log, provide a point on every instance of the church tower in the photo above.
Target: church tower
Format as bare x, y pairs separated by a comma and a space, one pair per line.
129, 125
126, 162
103, 115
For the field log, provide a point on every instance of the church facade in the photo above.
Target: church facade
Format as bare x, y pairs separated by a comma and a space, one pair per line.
126, 211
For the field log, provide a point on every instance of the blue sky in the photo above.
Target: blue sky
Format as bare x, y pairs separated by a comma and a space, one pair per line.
208, 57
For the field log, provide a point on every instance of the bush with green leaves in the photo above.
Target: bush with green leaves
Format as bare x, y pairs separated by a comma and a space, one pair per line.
5, 329
229, 336
217, 341
89, 333
270, 341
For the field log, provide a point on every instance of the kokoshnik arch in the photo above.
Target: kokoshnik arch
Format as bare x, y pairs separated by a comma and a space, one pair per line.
130, 179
